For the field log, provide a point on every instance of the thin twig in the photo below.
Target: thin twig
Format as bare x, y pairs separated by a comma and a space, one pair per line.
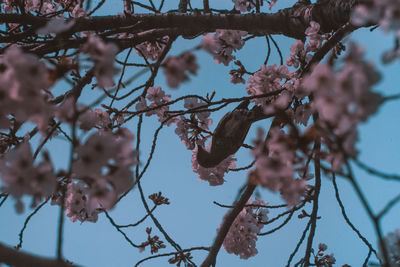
346, 218
21, 233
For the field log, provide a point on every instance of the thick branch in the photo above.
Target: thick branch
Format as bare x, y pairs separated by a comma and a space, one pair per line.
291, 22
17, 258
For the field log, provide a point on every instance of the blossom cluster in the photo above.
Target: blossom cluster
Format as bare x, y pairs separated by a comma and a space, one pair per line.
342, 99
175, 68
158, 99
100, 174
222, 44
45, 6
322, 259
276, 160
103, 56
300, 54
247, 5
382, 12
88, 118
152, 49
20, 176
244, 5
242, 236
271, 79
24, 81
214, 175
190, 130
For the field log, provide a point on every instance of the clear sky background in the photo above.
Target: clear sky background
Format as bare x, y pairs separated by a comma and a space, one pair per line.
192, 218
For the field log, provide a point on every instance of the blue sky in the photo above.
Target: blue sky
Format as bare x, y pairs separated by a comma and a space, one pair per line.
192, 218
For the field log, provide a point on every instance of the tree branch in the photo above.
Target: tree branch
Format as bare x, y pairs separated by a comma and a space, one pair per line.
17, 258
223, 231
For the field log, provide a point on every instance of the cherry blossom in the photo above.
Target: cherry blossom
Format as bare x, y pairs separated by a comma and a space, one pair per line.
91, 118
243, 5
103, 56
297, 54
20, 176
268, 79
24, 80
103, 164
215, 175
242, 236
314, 38
343, 99
392, 241
78, 12
385, 13
322, 259
152, 49
300, 52
276, 170
156, 95
76, 203
175, 68
191, 130
222, 44
46, 6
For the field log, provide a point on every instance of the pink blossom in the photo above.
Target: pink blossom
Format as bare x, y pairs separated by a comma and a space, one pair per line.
275, 171
322, 259
78, 12
104, 150
152, 49
94, 154
103, 56
183, 131
322, 77
157, 95
223, 43
142, 104
242, 236
297, 54
76, 203
24, 80
243, 5
47, 6
385, 13
215, 175
314, 38
101, 173
268, 79
191, 103
21, 177
91, 118
343, 99
175, 68
190, 130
